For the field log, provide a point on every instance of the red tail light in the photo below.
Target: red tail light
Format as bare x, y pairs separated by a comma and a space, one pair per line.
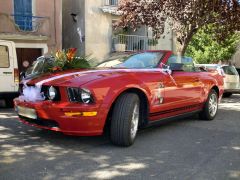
16, 75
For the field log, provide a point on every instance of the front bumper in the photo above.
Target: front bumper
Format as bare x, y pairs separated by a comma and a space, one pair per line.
55, 116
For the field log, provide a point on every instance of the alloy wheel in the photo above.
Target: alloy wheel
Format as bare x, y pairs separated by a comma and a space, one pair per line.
134, 122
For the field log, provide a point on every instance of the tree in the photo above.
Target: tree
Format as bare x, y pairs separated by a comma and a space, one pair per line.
185, 17
205, 49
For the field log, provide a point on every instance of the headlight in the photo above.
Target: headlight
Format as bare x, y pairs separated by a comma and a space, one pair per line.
86, 96
80, 95
52, 93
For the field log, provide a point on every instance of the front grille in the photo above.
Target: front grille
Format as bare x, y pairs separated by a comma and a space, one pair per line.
41, 122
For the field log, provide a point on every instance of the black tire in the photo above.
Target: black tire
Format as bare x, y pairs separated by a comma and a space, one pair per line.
227, 94
206, 113
9, 103
122, 119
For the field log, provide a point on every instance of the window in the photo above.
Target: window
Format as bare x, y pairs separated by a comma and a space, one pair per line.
180, 59
4, 58
23, 14
184, 63
230, 70
112, 2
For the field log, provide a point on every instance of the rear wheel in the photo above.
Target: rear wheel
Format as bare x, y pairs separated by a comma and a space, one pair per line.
125, 119
227, 94
210, 108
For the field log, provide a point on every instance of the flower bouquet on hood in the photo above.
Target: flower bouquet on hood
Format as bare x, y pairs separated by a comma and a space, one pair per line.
67, 59
63, 60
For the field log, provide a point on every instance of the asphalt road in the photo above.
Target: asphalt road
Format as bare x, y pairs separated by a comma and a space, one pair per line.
185, 149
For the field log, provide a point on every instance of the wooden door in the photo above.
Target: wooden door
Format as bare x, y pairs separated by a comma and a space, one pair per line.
26, 56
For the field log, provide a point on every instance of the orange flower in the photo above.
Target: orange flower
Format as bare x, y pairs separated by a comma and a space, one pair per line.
71, 53
56, 68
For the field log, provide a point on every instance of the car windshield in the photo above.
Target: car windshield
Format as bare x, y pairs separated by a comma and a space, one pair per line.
230, 70
133, 61
39, 66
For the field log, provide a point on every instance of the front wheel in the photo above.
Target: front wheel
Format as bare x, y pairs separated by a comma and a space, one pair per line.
125, 119
210, 107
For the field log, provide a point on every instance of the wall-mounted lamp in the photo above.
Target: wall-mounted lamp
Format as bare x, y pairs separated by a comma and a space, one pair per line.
74, 17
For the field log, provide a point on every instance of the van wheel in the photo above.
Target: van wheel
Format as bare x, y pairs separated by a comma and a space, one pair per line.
227, 94
125, 119
9, 103
210, 107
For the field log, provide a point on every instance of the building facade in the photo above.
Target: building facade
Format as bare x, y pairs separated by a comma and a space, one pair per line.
34, 25
88, 26
236, 58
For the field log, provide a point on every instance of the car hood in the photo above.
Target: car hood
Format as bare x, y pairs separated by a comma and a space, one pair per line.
74, 77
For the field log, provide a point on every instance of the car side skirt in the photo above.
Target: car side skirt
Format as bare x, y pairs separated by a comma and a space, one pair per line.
171, 118
191, 107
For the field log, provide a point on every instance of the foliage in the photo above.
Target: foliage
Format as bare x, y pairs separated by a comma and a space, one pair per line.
205, 49
152, 42
66, 59
184, 16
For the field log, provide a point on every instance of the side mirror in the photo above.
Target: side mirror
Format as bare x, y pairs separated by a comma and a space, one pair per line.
176, 66
166, 69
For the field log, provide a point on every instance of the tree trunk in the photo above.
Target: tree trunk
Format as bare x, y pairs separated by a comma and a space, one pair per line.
184, 48
186, 40
181, 50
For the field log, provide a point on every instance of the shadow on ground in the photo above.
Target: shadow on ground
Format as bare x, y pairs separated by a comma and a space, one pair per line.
180, 149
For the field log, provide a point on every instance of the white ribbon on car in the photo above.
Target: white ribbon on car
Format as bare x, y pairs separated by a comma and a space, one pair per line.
34, 94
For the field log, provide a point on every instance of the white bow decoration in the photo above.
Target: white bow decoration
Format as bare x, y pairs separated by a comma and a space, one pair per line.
32, 94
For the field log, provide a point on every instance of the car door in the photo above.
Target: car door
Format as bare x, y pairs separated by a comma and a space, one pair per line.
182, 91
182, 87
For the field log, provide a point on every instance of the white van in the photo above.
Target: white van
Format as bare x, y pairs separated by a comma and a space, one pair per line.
9, 74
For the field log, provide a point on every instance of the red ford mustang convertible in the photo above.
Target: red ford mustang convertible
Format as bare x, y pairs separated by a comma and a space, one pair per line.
126, 92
